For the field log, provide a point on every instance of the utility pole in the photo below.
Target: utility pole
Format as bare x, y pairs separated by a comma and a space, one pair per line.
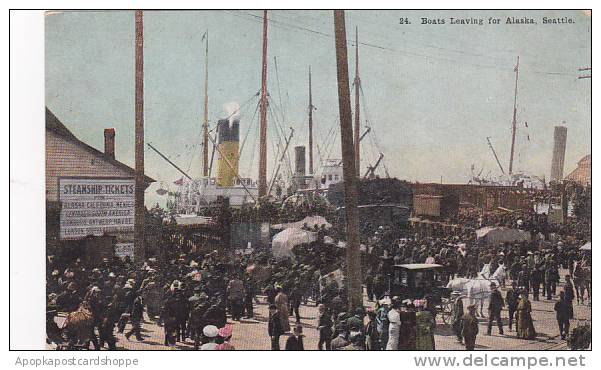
353, 257
263, 109
357, 107
514, 123
310, 125
139, 247
205, 131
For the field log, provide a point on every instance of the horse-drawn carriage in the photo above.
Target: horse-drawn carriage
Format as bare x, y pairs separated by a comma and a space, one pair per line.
422, 280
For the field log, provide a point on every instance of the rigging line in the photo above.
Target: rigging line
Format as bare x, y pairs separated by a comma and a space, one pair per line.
281, 134
252, 122
277, 23
281, 143
277, 77
243, 106
251, 165
356, 20
372, 133
273, 107
277, 125
332, 139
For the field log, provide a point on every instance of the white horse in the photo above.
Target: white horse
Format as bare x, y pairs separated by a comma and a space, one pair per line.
477, 290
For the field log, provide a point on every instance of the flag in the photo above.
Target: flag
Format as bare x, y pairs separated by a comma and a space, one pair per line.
179, 182
526, 123
203, 37
528, 137
517, 66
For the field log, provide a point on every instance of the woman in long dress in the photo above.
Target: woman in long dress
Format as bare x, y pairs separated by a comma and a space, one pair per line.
281, 301
424, 329
525, 325
394, 326
408, 328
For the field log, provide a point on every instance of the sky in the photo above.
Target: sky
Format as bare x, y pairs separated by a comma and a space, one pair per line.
430, 93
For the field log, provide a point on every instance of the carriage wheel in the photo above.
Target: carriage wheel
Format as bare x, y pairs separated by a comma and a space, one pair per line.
445, 313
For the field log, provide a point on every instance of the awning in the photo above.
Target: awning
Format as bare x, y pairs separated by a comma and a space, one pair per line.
284, 241
309, 221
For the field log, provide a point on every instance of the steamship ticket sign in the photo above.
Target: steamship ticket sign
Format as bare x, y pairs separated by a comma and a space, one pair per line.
95, 206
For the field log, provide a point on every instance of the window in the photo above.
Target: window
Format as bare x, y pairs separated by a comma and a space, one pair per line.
330, 177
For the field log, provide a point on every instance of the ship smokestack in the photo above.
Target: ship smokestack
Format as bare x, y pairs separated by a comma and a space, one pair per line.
228, 137
560, 136
300, 162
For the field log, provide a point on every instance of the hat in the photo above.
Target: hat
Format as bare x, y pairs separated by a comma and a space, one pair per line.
210, 331
493, 284
456, 293
226, 331
385, 301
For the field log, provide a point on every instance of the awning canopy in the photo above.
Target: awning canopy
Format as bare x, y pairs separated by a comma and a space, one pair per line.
284, 241
586, 247
498, 235
309, 221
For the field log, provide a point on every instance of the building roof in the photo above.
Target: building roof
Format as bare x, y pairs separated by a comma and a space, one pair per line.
55, 125
582, 173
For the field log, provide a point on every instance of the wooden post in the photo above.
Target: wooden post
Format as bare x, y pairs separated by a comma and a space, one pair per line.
263, 108
139, 247
310, 125
357, 106
353, 256
205, 126
513, 122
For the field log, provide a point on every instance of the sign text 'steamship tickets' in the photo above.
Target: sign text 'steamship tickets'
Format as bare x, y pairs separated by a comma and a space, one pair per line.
96, 207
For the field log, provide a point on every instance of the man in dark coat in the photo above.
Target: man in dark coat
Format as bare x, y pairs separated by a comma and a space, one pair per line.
136, 319
563, 314
551, 279
470, 328
295, 341
524, 279
535, 280
274, 327
324, 325
295, 299
512, 299
495, 305
569, 293
372, 337
457, 315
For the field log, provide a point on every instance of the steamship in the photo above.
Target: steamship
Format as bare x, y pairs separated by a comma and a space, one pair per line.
194, 194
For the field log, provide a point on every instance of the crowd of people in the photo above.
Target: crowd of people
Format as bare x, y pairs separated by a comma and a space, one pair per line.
192, 294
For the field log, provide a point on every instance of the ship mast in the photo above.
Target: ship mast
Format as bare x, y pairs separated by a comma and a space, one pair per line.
310, 125
514, 123
263, 114
357, 107
205, 126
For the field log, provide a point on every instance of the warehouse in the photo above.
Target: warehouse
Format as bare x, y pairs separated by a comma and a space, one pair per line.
89, 196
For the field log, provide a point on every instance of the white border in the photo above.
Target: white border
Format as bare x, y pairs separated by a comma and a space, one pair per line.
27, 184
